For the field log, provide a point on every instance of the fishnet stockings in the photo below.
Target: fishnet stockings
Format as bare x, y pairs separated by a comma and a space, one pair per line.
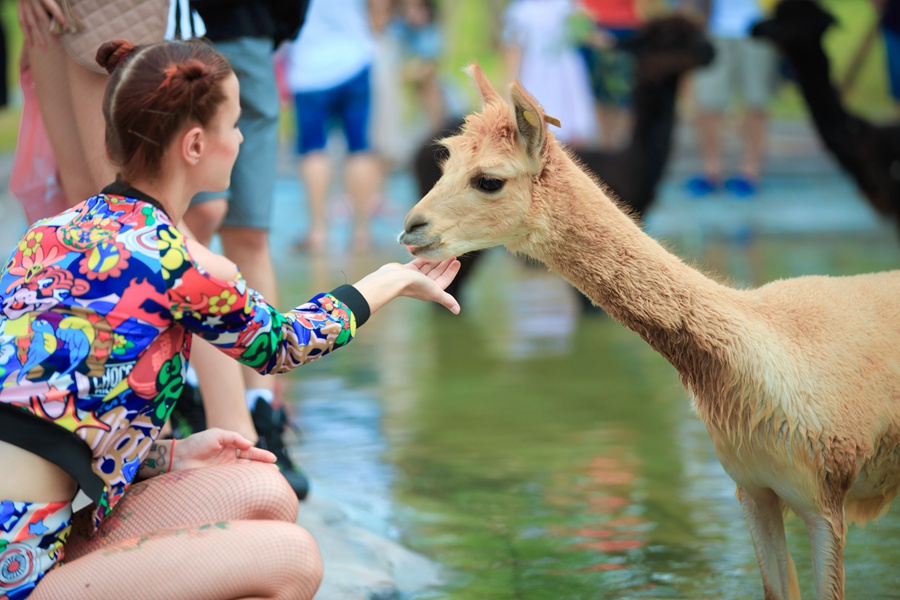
214, 533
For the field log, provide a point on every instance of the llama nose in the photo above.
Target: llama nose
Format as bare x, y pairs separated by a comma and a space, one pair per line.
415, 222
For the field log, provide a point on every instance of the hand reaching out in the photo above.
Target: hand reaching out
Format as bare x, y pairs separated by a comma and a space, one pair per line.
420, 279
213, 447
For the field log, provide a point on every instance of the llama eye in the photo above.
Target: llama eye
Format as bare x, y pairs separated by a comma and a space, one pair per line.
489, 184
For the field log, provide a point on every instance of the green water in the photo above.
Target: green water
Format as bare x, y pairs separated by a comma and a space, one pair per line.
538, 453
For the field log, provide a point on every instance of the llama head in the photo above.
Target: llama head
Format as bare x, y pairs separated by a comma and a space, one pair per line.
795, 25
668, 47
484, 196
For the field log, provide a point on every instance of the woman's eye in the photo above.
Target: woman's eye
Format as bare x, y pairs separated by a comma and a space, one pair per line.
489, 184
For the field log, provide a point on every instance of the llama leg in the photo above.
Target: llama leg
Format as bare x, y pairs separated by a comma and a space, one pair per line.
763, 513
826, 534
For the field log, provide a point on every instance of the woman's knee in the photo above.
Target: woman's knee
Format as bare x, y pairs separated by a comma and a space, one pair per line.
302, 568
304, 561
266, 494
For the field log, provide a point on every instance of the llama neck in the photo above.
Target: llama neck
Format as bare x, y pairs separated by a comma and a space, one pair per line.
829, 115
588, 240
654, 105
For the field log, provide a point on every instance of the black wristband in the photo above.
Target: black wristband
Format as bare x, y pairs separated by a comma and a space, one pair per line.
350, 296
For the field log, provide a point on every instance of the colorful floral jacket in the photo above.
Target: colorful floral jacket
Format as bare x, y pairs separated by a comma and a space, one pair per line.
97, 308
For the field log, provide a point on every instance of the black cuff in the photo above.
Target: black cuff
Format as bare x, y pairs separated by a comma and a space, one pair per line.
350, 296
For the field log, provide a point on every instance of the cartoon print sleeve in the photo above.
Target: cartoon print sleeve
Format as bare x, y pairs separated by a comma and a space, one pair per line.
238, 320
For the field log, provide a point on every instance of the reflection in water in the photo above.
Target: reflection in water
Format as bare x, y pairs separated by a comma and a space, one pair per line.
604, 492
544, 455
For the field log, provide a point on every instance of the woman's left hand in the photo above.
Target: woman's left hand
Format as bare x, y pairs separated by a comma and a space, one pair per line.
214, 447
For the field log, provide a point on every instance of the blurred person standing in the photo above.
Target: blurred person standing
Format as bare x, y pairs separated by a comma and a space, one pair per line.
743, 68
328, 72
539, 51
70, 97
611, 69
415, 26
246, 32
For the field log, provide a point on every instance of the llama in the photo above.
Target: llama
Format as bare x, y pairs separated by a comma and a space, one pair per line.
797, 382
665, 49
870, 153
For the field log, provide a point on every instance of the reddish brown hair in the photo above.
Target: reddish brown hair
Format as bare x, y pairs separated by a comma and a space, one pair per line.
153, 92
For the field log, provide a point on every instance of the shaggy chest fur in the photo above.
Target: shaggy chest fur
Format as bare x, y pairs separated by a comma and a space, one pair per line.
809, 404
794, 462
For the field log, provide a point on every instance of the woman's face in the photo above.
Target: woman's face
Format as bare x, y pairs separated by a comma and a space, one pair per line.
223, 139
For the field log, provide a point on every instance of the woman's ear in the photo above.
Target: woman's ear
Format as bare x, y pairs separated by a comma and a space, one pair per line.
192, 145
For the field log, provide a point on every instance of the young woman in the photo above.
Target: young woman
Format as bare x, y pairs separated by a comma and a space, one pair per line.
97, 308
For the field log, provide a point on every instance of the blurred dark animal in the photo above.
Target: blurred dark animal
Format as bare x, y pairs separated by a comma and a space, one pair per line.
870, 153
665, 49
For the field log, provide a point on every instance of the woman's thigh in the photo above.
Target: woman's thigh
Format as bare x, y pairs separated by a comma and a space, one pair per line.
242, 492
208, 561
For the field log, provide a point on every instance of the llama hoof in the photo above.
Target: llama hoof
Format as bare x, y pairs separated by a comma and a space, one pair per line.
700, 186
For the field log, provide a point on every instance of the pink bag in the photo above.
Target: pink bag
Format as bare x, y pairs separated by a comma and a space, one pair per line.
34, 179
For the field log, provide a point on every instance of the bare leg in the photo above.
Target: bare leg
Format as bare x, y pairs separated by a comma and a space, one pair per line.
763, 513
709, 125
363, 182
248, 247
189, 534
222, 390
209, 561
754, 143
87, 90
615, 126
205, 218
315, 172
62, 105
221, 383
433, 101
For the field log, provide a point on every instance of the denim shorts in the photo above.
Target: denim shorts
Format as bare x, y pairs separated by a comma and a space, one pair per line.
742, 66
252, 190
346, 104
32, 535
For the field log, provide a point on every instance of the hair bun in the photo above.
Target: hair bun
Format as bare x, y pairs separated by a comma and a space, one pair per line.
192, 70
110, 54
191, 78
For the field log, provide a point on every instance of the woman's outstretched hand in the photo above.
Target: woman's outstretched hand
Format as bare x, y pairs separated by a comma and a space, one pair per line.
420, 279
213, 447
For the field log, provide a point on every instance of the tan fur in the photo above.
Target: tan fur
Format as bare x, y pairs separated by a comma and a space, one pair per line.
798, 381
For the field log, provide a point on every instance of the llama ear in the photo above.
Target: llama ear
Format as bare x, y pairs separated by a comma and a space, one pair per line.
530, 120
487, 91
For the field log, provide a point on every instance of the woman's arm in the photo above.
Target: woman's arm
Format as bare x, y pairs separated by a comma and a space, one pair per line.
238, 321
158, 460
207, 448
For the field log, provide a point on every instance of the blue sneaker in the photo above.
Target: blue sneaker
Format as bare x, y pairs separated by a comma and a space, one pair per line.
741, 187
701, 185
